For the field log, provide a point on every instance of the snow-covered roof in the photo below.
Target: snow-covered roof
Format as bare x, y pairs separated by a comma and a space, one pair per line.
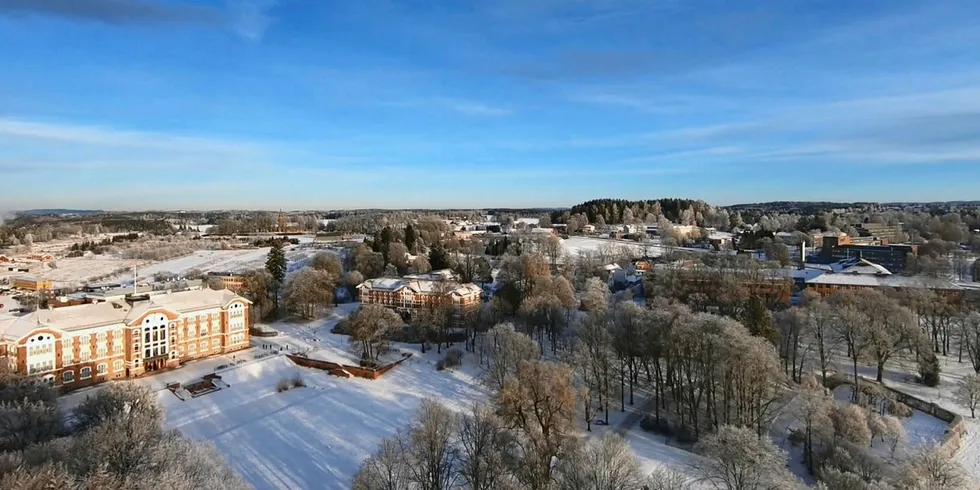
80, 317
894, 281
419, 286
866, 267
529, 221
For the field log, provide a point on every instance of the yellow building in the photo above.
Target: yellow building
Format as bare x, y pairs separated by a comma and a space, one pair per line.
32, 284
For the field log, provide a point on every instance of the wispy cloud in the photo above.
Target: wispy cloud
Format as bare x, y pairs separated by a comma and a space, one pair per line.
248, 18
460, 106
109, 137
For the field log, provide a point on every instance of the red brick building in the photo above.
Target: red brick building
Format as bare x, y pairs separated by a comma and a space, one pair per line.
77, 346
409, 295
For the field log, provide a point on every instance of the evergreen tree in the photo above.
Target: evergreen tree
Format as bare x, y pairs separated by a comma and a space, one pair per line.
438, 258
410, 238
276, 262
759, 321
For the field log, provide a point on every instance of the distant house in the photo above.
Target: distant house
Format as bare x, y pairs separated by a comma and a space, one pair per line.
41, 257
28, 283
5, 260
412, 294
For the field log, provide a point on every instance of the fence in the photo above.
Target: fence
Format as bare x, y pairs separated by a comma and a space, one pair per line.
345, 370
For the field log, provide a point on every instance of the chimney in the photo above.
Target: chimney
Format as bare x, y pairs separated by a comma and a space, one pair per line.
802, 255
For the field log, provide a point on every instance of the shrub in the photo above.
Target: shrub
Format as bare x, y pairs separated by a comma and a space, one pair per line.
282, 385
899, 409
797, 437
441, 365
297, 381
454, 357
651, 424
341, 328
835, 380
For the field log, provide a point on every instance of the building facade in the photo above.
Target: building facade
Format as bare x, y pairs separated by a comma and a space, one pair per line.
77, 346
32, 284
409, 295
895, 258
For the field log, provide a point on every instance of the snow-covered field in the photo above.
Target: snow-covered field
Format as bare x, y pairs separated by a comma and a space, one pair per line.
315, 436
226, 261
77, 270
577, 244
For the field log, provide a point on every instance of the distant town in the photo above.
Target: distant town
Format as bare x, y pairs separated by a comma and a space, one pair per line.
672, 330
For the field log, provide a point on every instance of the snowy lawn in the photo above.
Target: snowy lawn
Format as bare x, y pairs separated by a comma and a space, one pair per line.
314, 436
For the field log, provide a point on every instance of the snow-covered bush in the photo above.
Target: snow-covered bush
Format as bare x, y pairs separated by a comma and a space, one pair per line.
454, 357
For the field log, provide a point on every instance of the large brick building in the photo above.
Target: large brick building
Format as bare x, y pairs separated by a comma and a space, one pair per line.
409, 295
77, 346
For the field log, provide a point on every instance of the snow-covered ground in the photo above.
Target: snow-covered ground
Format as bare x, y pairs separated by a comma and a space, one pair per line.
897, 375
575, 245
315, 436
226, 261
77, 270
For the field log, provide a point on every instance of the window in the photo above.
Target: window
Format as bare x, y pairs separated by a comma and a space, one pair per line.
204, 346
191, 348
67, 344
204, 330
215, 342
86, 373
84, 354
101, 369
101, 336
147, 340
146, 353
68, 377
117, 347
102, 352
117, 365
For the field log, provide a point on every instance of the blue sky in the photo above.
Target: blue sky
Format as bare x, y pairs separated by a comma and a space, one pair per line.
324, 104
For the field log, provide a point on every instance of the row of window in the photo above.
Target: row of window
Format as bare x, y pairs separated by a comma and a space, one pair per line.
40, 367
100, 336
37, 350
86, 372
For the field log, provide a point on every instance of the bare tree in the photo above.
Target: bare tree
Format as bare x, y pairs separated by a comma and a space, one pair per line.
371, 328
602, 464
114, 400
540, 404
309, 290
968, 393
505, 348
934, 470
384, 470
738, 459
428, 448
486, 450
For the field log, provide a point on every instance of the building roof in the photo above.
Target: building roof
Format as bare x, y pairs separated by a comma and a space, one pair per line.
864, 266
420, 286
80, 317
894, 281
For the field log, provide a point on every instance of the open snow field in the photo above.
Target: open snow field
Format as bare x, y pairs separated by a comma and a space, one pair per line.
226, 261
77, 270
575, 245
314, 436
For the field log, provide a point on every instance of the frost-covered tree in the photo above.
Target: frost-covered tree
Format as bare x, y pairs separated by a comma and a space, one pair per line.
486, 450
601, 464
738, 459
968, 393
504, 349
